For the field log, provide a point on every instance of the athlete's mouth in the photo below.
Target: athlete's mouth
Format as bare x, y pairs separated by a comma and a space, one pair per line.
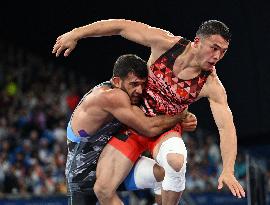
136, 98
211, 63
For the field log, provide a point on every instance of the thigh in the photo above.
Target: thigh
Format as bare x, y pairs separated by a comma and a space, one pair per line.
155, 145
130, 144
81, 199
112, 167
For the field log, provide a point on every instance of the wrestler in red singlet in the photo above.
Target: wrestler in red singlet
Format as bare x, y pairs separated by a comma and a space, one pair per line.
164, 94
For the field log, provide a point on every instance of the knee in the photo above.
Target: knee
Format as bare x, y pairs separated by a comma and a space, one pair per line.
176, 161
174, 179
172, 157
103, 191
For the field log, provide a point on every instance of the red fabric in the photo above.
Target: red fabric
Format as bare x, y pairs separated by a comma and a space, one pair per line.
72, 101
132, 148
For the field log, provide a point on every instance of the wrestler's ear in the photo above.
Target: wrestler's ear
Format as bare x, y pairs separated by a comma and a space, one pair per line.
197, 40
117, 82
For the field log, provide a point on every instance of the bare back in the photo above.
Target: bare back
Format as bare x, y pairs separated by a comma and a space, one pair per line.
93, 128
89, 114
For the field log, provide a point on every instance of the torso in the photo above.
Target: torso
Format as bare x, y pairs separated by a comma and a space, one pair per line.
89, 111
170, 89
99, 127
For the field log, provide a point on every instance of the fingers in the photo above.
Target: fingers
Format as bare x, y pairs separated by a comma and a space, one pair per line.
229, 185
67, 52
59, 50
190, 126
183, 115
234, 186
59, 37
189, 129
60, 45
232, 189
190, 118
220, 184
242, 191
239, 189
190, 122
56, 46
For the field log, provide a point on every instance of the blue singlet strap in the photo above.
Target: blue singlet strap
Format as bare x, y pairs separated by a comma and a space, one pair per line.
70, 134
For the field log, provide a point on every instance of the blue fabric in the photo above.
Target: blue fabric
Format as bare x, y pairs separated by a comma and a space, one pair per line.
70, 134
129, 182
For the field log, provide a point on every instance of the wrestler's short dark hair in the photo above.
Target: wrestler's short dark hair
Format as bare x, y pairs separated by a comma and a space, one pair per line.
130, 63
214, 27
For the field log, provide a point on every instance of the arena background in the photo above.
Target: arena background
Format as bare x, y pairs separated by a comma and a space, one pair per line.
245, 70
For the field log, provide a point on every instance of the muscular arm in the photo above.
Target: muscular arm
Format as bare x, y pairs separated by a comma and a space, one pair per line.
134, 31
118, 104
224, 120
217, 97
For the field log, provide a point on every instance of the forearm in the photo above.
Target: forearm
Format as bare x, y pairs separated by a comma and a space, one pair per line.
162, 123
228, 147
99, 28
131, 30
224, 121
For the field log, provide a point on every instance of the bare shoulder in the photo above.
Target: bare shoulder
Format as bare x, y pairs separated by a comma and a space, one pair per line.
214, 81
113, 97
212, 78
167, 41
213, 86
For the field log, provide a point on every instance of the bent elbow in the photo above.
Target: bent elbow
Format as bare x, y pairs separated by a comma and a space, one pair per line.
150, 129
151, 132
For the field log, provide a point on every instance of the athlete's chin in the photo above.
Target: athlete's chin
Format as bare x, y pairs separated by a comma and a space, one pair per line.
135, 101
208, 67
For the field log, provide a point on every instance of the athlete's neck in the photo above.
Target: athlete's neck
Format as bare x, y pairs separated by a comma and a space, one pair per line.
188, 59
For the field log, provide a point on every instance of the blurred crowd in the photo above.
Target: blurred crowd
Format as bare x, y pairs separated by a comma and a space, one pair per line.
36, 100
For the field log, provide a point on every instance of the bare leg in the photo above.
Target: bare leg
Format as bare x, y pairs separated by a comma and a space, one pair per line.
158, 172
158, 199
170, 197
112, 169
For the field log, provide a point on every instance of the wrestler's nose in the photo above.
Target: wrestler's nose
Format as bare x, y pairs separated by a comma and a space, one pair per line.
217, 55
139, 89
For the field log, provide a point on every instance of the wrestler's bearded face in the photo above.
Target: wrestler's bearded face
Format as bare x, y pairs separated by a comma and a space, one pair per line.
210, 50
133, 86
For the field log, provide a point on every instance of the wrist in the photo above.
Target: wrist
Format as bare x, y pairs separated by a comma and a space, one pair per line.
228, 171
183, 115
76, 32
